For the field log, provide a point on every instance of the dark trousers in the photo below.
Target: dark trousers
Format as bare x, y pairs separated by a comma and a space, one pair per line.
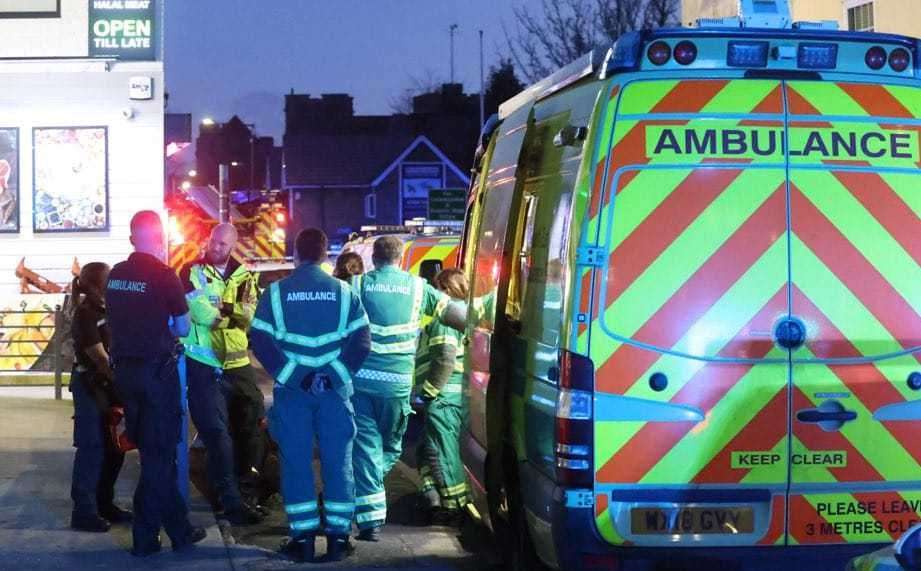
208, 396
149, 389
97, 460
246, 409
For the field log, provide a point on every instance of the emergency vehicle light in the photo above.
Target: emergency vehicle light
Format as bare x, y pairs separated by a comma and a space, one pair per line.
899, 59
875, 58
685, 52
659, 53
747, 54
817, 56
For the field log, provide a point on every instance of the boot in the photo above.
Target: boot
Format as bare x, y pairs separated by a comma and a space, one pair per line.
93, 523
244, 515
195, 535
338, 547
115, 514
300, 549
371, 534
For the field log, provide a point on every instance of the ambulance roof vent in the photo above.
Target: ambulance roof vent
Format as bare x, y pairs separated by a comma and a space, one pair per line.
820, 25
731, 22
765, 13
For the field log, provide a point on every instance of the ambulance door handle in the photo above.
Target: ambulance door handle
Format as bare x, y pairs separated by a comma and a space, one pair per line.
829, 415
815, 415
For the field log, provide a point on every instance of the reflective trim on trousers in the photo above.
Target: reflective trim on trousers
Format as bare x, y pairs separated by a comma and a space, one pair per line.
306, 525
372, 499
376, 515
341, 507
337, 522
301, 508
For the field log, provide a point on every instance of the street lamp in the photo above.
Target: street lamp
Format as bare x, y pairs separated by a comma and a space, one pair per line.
193, 173
208, 122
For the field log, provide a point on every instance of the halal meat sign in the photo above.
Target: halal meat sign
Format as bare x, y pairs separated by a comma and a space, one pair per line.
123, 29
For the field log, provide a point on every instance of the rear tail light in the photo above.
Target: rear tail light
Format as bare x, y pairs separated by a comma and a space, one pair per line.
574, 413
817, 56
685, 52
899, 59
875, 58
659, 53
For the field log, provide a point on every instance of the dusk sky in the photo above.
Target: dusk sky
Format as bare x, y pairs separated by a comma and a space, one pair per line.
226, 57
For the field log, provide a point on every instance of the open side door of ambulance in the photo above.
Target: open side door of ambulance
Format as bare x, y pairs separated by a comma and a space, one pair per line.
737, 367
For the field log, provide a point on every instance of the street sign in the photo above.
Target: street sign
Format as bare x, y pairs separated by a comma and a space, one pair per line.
447, 203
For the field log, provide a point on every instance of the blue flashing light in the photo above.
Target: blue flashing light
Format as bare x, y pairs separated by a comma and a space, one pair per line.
747, 54
817, 56
626, 53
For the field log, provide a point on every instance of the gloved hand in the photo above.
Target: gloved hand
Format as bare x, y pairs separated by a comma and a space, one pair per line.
316, 383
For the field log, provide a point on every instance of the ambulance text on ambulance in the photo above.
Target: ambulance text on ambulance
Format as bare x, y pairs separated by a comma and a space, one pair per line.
850, 142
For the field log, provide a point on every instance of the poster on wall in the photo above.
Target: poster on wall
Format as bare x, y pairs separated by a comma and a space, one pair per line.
416, 182
70, 192
123, 29
9, 180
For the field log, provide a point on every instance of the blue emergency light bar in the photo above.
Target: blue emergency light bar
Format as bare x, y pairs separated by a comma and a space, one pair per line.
817, 56
747, 53
808, 50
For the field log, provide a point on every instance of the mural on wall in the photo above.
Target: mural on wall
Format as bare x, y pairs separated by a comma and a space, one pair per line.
9, 180
70, 192
27, 332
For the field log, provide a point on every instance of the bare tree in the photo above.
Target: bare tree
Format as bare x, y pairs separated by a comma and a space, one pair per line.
560, 31
428, 82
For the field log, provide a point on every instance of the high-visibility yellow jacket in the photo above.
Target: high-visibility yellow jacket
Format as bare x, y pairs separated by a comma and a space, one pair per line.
221, 308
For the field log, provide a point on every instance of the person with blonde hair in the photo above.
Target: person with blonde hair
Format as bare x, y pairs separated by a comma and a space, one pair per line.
439, 372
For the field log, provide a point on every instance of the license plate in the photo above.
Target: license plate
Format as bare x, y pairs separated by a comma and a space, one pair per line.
652, 521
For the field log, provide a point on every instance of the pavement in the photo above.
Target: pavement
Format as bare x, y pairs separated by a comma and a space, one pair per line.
36, 459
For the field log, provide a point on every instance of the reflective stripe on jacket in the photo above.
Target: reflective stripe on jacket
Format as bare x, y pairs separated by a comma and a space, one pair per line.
396, 302
219, 339
304, 323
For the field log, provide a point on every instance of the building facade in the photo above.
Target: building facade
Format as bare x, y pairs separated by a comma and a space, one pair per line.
81, 131
889, 16
344, 171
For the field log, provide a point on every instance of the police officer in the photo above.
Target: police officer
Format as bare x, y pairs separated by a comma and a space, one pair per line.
147, 313
98, 460
311, 334
222, 298
396, 302
439, 372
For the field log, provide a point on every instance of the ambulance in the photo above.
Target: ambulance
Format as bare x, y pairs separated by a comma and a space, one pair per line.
695, 309
428, 247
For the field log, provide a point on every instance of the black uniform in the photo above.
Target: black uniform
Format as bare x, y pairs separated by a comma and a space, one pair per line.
141, 296
97, 461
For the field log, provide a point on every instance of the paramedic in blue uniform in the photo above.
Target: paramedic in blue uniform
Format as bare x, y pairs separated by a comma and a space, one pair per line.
311, 334
147, 314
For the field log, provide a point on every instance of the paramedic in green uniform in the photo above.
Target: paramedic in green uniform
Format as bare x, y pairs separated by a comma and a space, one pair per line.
395, 301
439, 371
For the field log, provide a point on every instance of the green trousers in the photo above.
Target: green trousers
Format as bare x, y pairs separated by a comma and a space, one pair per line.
381, 423
444, 483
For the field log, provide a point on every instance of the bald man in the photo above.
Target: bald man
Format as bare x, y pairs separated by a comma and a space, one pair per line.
225, 403
147, 312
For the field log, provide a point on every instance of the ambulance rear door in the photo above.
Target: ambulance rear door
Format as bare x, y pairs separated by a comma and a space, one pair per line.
855, 203
686, 253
